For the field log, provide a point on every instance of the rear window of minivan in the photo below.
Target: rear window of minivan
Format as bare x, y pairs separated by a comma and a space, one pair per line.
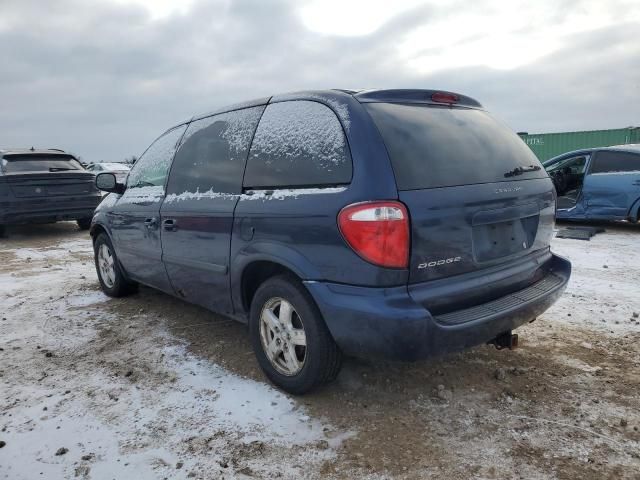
298, 144
432, 146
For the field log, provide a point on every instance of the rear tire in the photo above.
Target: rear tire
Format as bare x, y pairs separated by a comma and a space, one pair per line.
112, 280
316, 362
84, 223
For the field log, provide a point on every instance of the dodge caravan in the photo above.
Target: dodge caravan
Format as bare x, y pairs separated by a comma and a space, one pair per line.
383, 223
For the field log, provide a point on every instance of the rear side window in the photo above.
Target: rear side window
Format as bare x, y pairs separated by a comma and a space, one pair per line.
213, 152
298, 143
152, 167
39, 163
434, 147
609, 161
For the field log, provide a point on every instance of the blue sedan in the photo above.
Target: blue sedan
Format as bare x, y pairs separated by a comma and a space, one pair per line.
597, 183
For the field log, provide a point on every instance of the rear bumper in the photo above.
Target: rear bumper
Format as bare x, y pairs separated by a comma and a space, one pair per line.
389, 323
47, 210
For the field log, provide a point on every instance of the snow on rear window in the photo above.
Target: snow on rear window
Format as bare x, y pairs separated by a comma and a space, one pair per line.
339, 107
285, 193
298, 143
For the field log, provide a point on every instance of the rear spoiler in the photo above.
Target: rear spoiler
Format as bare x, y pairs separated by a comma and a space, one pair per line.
432, 97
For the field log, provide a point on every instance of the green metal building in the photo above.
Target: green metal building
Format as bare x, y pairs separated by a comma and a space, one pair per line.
548, 145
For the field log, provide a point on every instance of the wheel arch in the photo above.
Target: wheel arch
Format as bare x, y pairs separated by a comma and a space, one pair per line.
258, 261
254, 274
96, 229
634, 211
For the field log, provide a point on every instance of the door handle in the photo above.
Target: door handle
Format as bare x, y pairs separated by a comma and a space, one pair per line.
170, 225
151, 223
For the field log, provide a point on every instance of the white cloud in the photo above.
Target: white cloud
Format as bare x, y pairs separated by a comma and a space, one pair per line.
504, 35
104, 81
159, 9
351, 18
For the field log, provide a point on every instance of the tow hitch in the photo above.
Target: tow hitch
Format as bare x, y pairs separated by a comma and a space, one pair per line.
505, 340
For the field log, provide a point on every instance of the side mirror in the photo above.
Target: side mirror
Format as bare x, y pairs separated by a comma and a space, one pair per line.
107, 182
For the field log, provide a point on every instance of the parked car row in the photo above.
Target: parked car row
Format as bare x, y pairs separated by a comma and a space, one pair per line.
120, 170
44, 186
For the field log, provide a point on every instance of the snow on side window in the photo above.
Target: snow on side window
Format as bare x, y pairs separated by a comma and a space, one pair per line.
152, 167
210, 162
298, 143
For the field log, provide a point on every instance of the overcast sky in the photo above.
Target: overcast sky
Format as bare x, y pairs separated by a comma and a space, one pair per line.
102, 78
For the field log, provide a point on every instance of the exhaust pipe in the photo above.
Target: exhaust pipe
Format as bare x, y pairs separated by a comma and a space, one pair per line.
505, 340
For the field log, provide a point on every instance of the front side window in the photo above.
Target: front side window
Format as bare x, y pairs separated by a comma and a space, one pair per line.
611, 161
575, 165
152, 167
297, 144
212, 156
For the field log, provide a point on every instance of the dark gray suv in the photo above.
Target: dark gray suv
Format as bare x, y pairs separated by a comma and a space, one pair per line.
45, 186
388, 223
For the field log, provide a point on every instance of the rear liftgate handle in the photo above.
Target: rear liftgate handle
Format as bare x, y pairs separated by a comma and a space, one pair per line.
170, 225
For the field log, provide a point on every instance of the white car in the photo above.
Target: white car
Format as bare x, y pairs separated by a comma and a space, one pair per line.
120, 170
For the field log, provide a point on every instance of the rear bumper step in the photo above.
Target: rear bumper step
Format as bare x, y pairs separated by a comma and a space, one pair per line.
508, 302
389, 323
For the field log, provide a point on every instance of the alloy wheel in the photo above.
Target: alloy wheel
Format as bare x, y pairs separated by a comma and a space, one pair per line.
106, 266
283, 337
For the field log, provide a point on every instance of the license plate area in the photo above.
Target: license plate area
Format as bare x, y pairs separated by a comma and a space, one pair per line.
503, 239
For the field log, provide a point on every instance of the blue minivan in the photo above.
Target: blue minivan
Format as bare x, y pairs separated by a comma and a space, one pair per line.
382, 223
597, 183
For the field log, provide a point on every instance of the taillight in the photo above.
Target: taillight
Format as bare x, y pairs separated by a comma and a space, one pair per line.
377, 231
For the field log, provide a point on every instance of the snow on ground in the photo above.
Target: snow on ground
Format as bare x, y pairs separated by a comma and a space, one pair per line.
148, 387
604, 290
53, 315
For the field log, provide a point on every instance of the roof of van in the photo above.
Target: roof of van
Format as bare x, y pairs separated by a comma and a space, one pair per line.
417, 96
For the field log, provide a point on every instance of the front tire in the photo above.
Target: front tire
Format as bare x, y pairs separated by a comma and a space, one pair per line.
290, 339
112, 280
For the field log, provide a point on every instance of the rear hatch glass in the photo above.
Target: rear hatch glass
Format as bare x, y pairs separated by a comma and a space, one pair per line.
35, 175
39, 163
432, 146
477, 196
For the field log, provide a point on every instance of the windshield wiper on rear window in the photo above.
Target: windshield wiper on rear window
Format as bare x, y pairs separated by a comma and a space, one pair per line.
521, 170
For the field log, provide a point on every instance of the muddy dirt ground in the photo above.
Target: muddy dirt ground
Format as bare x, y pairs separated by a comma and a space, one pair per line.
150, 387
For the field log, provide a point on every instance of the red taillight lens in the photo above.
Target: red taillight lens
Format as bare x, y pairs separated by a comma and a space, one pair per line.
378, 232
444, 97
